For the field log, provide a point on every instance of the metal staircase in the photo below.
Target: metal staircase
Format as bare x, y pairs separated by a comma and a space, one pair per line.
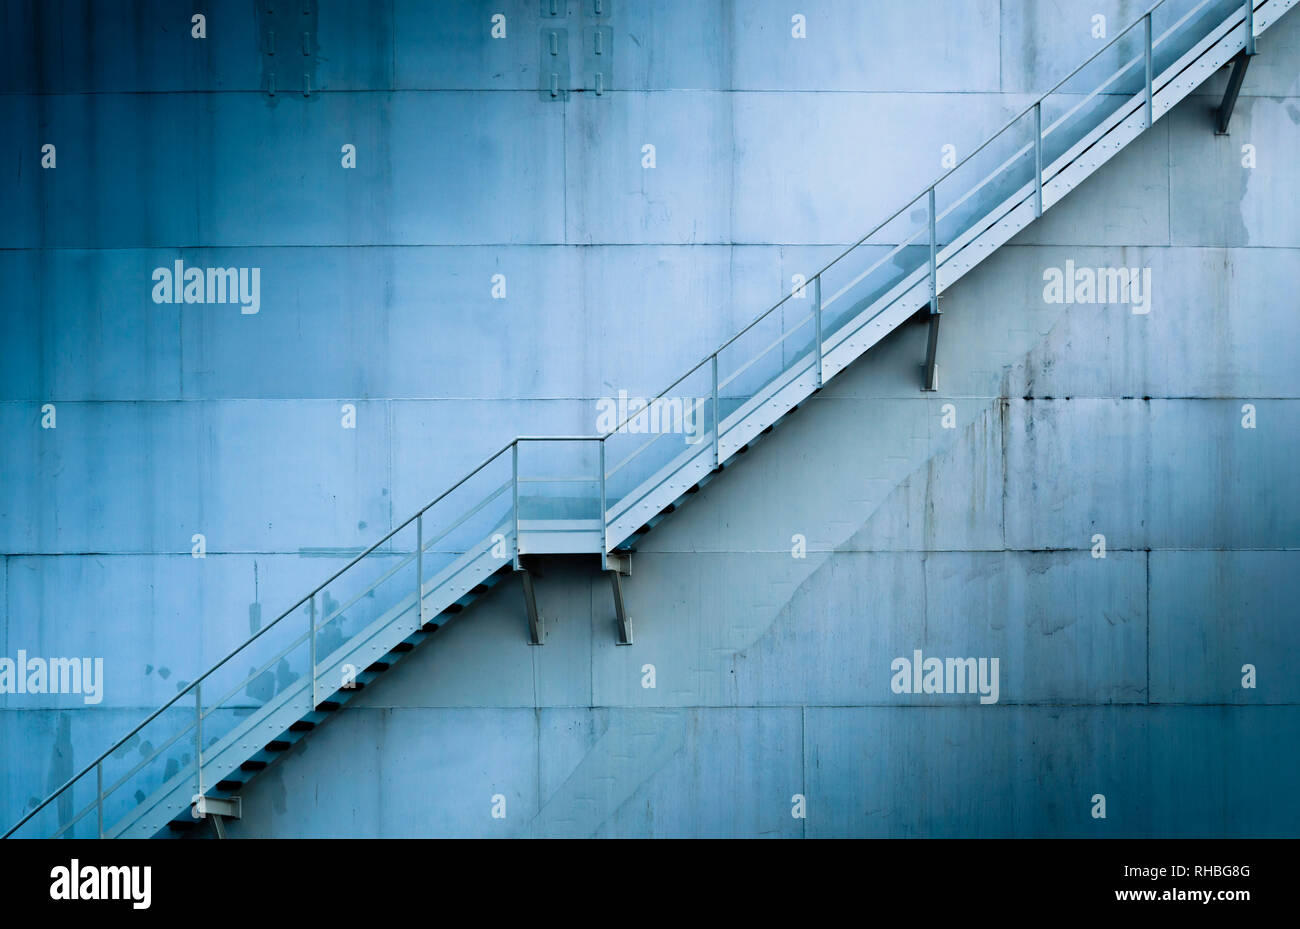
598, 494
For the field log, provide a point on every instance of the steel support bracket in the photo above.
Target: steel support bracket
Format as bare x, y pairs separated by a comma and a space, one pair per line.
932, 351
620, 611
620, 562
218, 809
536, 630
1224, 115
229, 807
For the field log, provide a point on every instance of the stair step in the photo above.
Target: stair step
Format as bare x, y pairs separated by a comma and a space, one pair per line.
478, 590
430, 627
377, 667
453, 609
229, 785
329, 706
182, 825
403, 647
253, 766
302, 725
277, 745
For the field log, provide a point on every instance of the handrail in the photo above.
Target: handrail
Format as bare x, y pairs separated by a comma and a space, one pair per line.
939, 180
255, 636
711, 358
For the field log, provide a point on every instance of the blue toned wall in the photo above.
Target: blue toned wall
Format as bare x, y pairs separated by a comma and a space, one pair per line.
1119, 676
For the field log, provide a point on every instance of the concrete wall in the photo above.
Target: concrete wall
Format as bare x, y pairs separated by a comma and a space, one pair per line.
1118, 676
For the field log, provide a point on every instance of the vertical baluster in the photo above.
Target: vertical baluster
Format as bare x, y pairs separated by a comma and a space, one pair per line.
1038, 159
419, 570
311, 614
817, 309
717, 418
604, 526
934, 267
1146, 20
1250, 27
99, 796
514, 465
932, 339
198, 738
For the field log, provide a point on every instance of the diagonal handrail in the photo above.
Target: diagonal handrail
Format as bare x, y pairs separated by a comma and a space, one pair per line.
1249, 4
197, 682
1247, 7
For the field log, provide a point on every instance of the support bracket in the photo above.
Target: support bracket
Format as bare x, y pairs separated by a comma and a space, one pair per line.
1224, 115
932, 350
218, 809
620, 611
536, 630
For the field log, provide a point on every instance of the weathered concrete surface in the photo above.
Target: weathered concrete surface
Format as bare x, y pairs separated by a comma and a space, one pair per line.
1120, 676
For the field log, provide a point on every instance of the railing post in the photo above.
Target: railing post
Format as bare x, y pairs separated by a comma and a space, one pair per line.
934, 278
930, 377
1250, 27
717, 419
311, 614
1038, 159
604, 528
198, 738
419, 570
99, 795
1147, 28
514, 479
817, 310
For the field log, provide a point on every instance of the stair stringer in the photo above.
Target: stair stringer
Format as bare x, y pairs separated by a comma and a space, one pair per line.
293, 704
663, 489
